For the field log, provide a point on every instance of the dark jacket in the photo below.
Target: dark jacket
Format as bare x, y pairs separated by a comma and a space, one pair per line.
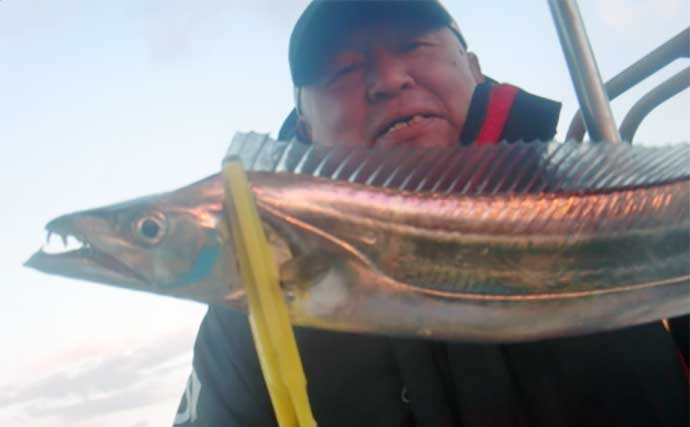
630, 377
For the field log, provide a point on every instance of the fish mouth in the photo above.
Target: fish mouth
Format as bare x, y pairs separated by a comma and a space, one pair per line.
76, 257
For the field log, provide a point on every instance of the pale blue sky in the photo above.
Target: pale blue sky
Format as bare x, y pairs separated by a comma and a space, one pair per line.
104, 101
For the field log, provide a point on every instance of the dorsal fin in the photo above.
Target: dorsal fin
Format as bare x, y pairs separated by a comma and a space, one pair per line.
521, 167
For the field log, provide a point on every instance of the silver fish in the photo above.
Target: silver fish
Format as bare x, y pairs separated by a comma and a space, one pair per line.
510, 242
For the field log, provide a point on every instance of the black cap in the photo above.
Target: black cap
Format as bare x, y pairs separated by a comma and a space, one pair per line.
322, 24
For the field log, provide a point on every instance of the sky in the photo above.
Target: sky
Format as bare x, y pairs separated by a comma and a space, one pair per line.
105, 101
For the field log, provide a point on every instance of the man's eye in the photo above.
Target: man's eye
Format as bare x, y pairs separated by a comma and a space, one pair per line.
344, 71
412, 45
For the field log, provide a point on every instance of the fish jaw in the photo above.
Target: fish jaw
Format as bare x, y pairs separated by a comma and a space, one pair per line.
165, 244
86, 264
88, 261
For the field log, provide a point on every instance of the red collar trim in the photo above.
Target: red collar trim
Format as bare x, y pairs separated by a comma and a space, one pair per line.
500, 103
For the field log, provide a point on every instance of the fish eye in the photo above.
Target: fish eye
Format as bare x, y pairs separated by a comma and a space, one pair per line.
149, 229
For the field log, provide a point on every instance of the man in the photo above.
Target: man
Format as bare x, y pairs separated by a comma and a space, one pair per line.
399, 73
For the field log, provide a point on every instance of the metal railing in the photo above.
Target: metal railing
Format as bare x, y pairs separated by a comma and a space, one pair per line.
675, 48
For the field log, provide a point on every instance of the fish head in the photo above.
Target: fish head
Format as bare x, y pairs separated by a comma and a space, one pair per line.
165, 244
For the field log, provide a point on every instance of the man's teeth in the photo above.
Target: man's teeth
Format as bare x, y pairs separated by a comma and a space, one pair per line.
402, 124
69, 244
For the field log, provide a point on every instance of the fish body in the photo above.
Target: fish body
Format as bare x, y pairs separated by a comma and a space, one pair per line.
503, 243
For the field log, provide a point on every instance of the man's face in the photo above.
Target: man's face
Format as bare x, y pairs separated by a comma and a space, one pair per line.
387, 86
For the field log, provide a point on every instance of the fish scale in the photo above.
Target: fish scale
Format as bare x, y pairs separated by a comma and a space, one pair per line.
571, 166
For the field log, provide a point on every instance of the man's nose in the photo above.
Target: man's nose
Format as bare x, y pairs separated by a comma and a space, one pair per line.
387, 76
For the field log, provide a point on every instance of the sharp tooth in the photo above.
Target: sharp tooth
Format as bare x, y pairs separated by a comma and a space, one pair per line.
69, 244
50, 234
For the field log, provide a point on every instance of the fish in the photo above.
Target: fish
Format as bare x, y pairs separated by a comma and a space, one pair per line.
501, 243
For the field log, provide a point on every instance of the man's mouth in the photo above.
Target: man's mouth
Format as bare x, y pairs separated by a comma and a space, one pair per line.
404, 122
405, 127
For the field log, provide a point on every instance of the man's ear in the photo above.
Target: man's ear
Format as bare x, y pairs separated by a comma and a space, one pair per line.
475, 68
303, 130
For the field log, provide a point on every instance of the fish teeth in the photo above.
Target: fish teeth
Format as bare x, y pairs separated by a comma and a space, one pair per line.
69, 242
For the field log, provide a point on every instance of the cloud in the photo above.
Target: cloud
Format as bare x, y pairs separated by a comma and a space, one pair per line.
111, 383
137, 396
21, 18
624, 15
175, 28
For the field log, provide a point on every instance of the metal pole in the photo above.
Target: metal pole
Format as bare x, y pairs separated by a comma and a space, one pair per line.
594, 102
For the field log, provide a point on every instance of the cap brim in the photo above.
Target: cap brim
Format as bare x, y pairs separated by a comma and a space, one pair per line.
324, 25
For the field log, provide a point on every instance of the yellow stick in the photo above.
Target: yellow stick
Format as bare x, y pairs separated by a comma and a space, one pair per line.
273, 335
